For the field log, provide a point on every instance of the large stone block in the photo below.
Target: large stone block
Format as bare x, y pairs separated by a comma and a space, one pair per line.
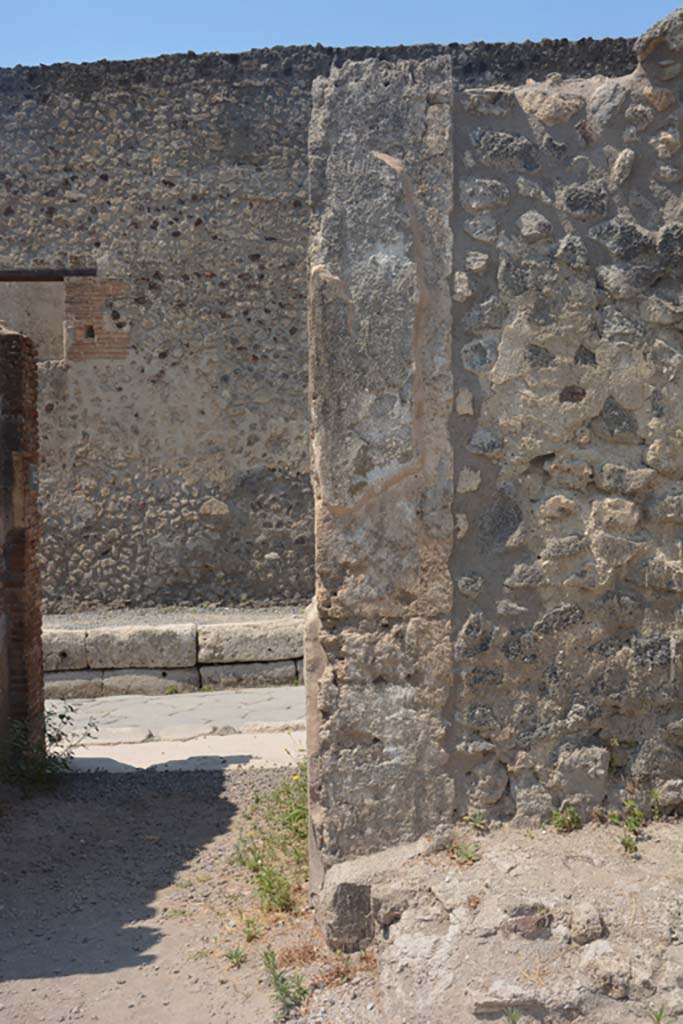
142, 646
149, 681
64, 650
73, 684
252, 673
276, 639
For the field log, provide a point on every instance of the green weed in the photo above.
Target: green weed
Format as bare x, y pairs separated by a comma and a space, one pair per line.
634, 818
629, 844
289, 990
252, 930
657, 1016
275, 891
36, 763
477, 821
275, 849
567, 819
236, 956
465, 853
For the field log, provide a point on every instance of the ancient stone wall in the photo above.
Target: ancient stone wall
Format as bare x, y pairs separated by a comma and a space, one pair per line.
159, 208
517, 648
21, 668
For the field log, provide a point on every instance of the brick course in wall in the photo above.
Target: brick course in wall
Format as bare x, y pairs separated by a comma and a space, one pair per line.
95, 329
21, 680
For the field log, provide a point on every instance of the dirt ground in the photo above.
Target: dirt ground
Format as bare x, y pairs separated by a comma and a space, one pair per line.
120, 896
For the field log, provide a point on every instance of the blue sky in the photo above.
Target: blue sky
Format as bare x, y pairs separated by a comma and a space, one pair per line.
46, 31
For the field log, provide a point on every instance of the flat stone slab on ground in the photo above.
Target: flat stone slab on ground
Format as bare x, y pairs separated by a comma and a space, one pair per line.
205, 753
189, 715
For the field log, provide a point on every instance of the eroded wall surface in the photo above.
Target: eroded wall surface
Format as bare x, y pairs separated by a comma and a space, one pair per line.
568, 423
379, 664
175, 430
21, 663
543, 667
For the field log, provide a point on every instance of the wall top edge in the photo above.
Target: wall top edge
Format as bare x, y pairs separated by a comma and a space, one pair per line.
474, 64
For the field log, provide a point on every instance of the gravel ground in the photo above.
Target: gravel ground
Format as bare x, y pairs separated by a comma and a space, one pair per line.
162, 616
119, 896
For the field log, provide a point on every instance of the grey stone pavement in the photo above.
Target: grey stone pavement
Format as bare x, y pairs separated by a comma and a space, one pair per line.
260, 727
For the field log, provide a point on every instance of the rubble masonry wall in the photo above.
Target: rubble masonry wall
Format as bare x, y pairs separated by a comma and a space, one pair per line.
173, 415
496, 322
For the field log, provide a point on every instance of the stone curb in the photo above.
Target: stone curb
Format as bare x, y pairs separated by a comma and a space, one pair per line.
158, 659
224, 643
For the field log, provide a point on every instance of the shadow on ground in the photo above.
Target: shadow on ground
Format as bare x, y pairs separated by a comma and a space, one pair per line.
80, 865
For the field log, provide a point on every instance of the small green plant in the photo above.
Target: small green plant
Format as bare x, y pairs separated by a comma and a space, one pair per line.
236, 956
634, 818
477, 821
289, 990
629, 844
274, 889
36, 762
567, 819
465, 853
657, 1016
614, 818
252, 930
512, 1014
170, 690
275, 849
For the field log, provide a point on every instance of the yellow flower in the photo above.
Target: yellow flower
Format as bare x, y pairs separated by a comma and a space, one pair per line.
295, 778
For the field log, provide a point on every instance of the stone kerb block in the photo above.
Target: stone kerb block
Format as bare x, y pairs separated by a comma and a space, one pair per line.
67, 685
142, 646
64, 650
378, 659
149, 681
271, 640
251, 673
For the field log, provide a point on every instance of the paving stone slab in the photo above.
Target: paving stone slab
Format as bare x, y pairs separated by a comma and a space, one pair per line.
199, 713
181, 731
173, 646
111, 735
250, 673
266, 640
